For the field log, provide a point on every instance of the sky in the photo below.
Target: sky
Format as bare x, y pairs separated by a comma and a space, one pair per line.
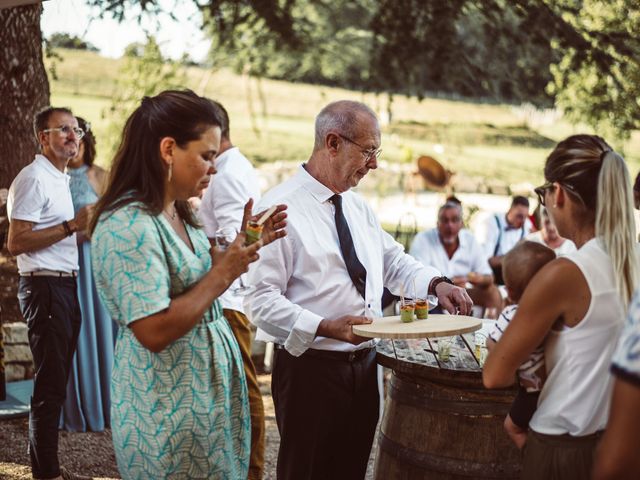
111, 38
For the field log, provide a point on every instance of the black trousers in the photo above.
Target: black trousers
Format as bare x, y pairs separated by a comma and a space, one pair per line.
327, 412
50, 307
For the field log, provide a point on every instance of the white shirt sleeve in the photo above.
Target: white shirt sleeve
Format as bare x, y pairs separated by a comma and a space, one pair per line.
26, 199
270, 310
224, 201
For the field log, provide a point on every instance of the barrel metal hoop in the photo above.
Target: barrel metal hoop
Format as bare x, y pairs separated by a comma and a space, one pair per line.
413, 394
454, 466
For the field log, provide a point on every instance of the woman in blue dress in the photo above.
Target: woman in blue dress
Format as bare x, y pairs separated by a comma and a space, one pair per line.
87, 404
179, 395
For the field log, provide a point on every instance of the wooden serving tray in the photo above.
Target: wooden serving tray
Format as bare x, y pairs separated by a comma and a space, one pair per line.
437, 325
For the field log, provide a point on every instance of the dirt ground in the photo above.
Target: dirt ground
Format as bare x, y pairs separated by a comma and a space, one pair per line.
92, 454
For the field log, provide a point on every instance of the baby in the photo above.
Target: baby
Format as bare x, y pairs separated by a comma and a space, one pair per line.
519, 266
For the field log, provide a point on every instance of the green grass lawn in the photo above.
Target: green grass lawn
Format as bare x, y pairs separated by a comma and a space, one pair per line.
478, 139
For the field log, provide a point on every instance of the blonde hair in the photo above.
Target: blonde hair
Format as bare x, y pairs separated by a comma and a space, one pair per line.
594, 173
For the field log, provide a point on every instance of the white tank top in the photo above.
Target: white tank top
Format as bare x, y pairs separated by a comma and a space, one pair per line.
575, 398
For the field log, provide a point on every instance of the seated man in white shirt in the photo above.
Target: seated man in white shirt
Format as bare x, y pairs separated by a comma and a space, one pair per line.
500, 233
325, 276
456, 253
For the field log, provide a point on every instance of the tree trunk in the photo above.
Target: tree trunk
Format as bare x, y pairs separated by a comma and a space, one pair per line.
24, 87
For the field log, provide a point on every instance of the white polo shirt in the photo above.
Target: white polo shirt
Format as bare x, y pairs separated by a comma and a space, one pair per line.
469, 257
40, 194
234, 183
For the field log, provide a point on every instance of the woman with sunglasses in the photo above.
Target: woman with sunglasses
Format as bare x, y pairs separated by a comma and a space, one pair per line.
576, 306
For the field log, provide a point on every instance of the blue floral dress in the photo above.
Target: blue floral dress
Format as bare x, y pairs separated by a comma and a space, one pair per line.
183, 412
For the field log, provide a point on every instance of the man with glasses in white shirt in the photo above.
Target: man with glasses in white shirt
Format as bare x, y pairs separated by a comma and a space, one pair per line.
325, 276
42, 235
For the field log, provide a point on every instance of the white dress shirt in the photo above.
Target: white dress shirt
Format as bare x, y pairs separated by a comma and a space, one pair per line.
469, 257
489, 233
40, 194
234, 183
302, 278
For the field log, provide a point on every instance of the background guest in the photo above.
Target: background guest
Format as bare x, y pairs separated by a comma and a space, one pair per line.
222, 206
548, 236
499, 233
454, 251
87, 404
578, 304
42, 236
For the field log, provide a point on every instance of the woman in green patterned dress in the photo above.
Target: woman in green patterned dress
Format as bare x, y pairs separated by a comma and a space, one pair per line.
179, 398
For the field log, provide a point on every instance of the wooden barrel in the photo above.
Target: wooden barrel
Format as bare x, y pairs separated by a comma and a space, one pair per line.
441, 423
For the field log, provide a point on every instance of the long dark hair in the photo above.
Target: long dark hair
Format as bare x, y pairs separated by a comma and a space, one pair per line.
89, 142
138, 172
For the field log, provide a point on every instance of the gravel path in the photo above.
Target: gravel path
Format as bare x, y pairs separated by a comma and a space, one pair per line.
92, 454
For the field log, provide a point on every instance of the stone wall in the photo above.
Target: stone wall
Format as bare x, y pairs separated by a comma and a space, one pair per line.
18, 362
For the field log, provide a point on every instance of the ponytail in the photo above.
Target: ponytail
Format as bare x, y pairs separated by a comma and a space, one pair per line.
615, 223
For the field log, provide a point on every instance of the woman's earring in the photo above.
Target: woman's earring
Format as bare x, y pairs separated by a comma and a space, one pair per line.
170, 172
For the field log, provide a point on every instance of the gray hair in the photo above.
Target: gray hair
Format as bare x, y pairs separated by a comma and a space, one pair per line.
342, 117
449, 205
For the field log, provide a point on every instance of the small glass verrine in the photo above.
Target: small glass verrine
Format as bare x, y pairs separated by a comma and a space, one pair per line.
253, 232
407, 309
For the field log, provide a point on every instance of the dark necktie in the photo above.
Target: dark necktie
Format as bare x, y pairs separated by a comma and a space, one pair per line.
356, 270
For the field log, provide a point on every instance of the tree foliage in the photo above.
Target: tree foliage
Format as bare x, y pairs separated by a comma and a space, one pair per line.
66, 40
583, 54
145, 72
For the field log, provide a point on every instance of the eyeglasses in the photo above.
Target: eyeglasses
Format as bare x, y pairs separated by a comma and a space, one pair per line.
65, 130
542, 189
367, 153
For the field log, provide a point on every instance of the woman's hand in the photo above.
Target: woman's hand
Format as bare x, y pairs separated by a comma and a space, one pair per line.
235, 260
273, 227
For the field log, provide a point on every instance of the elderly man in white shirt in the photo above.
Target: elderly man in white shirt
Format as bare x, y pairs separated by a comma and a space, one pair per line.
222, 207
327, 275
42, 235
500, 233
456, 253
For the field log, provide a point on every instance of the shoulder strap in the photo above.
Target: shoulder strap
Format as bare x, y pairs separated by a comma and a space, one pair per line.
495, 250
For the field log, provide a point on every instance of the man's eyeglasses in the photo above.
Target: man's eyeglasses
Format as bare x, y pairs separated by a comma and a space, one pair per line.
542, 189
367, 153
65, 130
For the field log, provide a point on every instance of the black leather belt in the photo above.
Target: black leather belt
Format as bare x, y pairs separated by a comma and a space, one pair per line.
354, 356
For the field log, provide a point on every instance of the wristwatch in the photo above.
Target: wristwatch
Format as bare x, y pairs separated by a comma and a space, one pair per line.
437, 281
67, 229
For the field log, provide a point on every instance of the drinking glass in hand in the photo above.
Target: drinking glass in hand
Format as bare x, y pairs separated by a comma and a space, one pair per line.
225, 237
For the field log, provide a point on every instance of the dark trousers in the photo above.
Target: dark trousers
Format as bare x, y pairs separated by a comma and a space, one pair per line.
50, 307
327, 412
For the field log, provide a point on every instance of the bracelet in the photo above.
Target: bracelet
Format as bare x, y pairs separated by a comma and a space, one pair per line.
437, 281
67, 228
